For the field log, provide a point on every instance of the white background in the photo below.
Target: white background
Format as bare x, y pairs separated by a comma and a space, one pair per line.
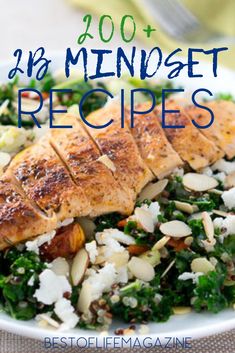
29, 24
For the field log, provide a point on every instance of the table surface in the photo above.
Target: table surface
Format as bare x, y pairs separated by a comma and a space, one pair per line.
29, 24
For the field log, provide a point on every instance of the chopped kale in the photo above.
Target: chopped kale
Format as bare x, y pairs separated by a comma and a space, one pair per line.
107, 221
224, 96
209, 292
155, 88
8, 92
147, 306
78, 88
16, 295
44, 85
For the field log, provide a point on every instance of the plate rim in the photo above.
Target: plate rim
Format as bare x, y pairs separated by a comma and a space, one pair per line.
35, 332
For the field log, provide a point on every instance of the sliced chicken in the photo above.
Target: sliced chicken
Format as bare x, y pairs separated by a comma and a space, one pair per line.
47, 182
192, 146
118, 144
82, 158
222, 131
19, 220
153, 145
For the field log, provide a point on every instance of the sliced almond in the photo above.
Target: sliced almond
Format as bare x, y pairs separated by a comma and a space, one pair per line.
85, 298
115, 234
119, 259
201, 264
79, 266
161, 243
49, 320
144, 219
122, 237
175, 229
107, 162
152, 190
60, 266
199, 182
168, 268
197, 215
221, 213
216, 191
185, 207
100, 260
208, 226
141, 269
181, 310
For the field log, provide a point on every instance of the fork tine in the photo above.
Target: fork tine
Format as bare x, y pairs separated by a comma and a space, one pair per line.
182, 12
186, 22
167, 19
179, 22
180, 19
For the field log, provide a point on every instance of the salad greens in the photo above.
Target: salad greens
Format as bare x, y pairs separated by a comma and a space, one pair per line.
155, 301
16, 294
174, 284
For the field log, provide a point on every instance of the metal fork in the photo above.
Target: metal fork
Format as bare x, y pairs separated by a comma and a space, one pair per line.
176, 20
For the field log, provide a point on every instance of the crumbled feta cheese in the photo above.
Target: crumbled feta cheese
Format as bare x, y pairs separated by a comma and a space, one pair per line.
152, 212
207, 171
218, 222
209, 245
34, 245
229, 198
226, 225
190, 275
52, 287
102, 280
157, 298
220, 176
224, 166
111, 245
122, 275
65, 312
31, 281
154, 209
92, 250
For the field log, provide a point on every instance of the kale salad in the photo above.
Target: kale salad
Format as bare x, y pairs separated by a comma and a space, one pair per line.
175, 253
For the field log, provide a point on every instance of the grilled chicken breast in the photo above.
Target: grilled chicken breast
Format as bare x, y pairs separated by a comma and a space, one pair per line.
86, 171
47, 182
118, 144
82, 158
19, 218
192, 146
153, 145
222, 131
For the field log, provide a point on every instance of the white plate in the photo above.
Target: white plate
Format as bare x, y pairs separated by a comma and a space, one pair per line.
191, 325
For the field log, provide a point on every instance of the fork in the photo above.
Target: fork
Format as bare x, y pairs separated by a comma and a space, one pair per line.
177, 21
